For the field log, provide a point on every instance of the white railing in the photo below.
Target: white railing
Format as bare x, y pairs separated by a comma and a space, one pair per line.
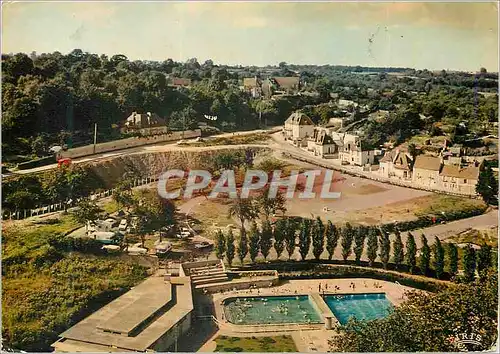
27, 213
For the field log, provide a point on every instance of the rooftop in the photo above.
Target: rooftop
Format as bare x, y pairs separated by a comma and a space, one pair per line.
135, 320
470, 172
428, 163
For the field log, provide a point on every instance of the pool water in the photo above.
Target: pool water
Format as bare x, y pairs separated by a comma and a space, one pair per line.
364, 307
270, 310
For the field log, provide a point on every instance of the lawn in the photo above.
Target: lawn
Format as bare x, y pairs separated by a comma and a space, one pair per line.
256, 138
46, 289
274, 344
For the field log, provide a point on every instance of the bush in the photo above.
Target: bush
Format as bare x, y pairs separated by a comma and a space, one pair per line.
312, 270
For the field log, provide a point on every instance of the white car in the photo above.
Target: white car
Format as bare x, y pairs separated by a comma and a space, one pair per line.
123, 225
183, 234
203, 244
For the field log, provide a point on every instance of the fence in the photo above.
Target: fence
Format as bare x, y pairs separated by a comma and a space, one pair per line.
373, 177
26, 213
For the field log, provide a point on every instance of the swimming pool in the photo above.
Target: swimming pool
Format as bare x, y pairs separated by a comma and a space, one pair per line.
270, 310
364, 307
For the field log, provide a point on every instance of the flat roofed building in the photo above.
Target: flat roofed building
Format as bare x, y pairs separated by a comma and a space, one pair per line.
150, 317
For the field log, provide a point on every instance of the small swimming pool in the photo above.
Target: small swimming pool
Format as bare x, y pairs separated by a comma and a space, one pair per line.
364, 307
270, 310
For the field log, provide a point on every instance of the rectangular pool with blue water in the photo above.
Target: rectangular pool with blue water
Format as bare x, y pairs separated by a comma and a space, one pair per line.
270, 310
364, 307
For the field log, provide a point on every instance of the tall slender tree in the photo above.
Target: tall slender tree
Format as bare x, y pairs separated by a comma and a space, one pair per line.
385, 248
266, 238
304, 238
230, 249
279, 234
398, 252
290, 237
318, 238
425, 256
359, 242
438, 263
469, 263
242, 248
346, 241
332, 238
484, 259
245, 209
487, 186
372, 245
253, 242
452, 255
411, 253
220, 244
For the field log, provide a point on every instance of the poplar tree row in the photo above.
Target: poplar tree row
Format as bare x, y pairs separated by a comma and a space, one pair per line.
287, 235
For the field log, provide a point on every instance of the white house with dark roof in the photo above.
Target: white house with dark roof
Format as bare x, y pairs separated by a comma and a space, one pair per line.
322, 144
298, 128
351, 152
396, 164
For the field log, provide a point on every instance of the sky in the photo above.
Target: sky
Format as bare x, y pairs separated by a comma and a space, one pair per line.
421, 35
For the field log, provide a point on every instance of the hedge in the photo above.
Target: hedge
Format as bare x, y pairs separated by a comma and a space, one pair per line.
310, 270
43, 161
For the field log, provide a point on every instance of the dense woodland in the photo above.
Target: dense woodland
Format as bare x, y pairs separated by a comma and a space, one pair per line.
54, 98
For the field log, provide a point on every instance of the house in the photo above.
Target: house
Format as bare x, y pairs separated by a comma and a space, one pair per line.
280, 85
143, 120
351, 152
396, 164
452, 155
322, 144
298, 127
253, 85
456, 179
426, 171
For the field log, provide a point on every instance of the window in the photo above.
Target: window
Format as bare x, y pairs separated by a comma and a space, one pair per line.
465, 181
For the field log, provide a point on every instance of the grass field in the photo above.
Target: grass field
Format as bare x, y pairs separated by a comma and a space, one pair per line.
274, 344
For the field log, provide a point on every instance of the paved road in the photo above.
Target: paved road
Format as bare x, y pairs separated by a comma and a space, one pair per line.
166, 146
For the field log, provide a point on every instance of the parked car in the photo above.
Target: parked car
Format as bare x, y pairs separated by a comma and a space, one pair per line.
203, 244
123, 225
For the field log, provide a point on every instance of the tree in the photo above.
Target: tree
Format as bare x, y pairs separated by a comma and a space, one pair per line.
266, 238
385, 248
254, 242
372, 245
269, 206
359, 242
88, 212
304, 238
438, 263
425, 256
123, 195
487, 186
426, 322
397, 247
411, 253
318, 238
220, 244
332, 237
452, 255
279, 235
230, 249
346, 242
243, 209
469, 263
484, 260
242, 248
290, 237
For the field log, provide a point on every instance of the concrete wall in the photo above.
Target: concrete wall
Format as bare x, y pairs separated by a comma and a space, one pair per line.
168, 339
127, 143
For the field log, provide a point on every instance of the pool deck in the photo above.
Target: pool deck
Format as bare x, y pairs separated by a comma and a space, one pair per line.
308, 337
